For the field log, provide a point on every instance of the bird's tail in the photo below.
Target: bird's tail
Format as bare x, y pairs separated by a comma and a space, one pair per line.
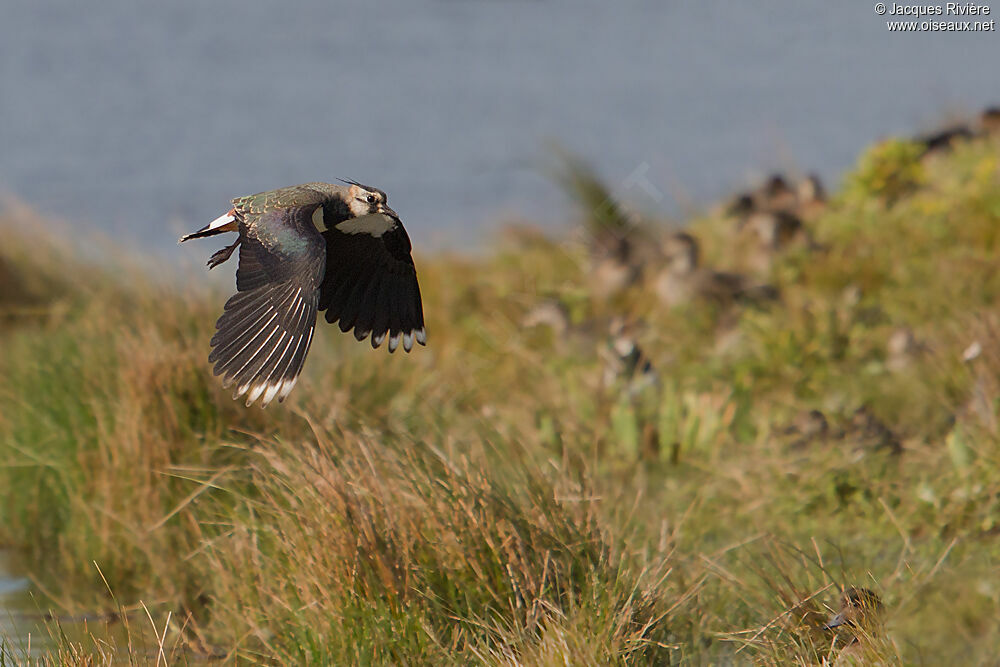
224, 223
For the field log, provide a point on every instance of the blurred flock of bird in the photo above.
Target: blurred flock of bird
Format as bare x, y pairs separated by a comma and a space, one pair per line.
627, 253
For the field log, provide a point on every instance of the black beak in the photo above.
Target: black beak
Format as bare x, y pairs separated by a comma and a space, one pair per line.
389, 212
835, 621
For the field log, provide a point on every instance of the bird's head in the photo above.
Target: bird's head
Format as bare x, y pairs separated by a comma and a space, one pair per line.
365, 200
681, 253
860, 608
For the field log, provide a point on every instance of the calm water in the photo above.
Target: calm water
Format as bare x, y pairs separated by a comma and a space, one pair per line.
143, 119
28, 632
17, 612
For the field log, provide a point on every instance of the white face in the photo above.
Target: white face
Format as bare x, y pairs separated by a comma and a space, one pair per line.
366, 202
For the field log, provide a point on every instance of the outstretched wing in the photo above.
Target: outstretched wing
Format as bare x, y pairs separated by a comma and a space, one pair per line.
371, 283
264, 333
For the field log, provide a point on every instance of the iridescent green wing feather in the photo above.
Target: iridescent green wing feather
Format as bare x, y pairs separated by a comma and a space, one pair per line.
264, 333
307, 194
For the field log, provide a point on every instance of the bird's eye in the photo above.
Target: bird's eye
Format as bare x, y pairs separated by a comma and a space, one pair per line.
370, 199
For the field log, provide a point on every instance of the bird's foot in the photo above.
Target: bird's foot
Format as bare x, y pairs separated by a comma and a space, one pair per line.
222, 255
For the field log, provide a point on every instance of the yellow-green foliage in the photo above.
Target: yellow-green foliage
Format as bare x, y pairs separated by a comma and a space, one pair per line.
887, 171
490, 498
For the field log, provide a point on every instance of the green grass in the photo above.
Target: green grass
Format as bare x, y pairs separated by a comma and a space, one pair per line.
487, 498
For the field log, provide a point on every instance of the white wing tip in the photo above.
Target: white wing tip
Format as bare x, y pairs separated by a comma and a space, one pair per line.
240, 390
269, 395
255, 393
407, 339
286, 388
265, 391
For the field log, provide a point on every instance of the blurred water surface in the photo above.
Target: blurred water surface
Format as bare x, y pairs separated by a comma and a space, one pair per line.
142, 119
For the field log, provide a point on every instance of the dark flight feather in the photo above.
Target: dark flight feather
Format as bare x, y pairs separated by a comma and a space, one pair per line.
384, 298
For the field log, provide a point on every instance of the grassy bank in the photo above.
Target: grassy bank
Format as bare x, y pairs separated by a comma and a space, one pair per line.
490, 498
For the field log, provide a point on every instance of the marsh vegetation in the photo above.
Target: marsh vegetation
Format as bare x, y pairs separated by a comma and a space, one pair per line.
499, 496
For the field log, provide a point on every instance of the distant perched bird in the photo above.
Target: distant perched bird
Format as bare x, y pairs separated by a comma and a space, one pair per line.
811, 196
305, 248
810, 189
902, 349
777, 193
808, 427
774, 230
777, 196
683, 280
774, 195
766, 234
870, 434
941, 141
861, 614
625, 361
858, 608
741, 205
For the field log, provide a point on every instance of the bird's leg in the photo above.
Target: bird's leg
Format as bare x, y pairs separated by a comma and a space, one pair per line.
222, 255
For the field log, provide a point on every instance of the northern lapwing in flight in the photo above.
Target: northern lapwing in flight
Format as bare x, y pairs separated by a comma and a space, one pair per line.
303, 249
